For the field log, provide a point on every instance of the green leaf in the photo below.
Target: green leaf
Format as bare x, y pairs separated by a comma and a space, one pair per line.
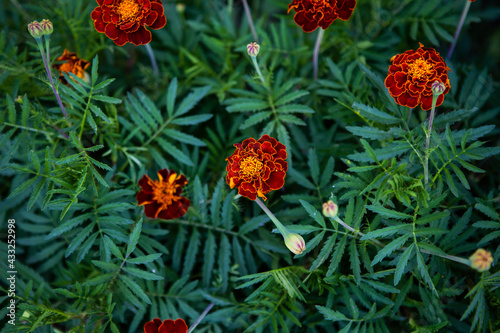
97, 111
389, 248
208, 259
107, 266
325, 252
312, 162
75, 243
328, 172
183, 137
175, 152
191, 100
331, 314
299, 178
337, 256
488, 211
291, 97
428, 218
113, 248
135, 288
86, 247
192, 251
389, 213
94, 75
191, 120
313, 213
144, 259
106, 99
255, 119
384, 232
134, 238
369, 150
424, 272
171, 94
402, 263
142, 274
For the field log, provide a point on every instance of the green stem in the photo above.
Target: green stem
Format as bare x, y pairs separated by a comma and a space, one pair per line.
282, 229
316, 53
357, 232
153, 59
256, 65
428, 140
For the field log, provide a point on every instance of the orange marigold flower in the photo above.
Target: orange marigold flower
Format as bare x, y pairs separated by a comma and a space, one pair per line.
257, 167
126, 20
162, 199
311, 14
412, 74
168, 326
73, 64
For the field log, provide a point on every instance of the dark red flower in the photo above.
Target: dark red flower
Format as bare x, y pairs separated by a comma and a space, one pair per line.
257, 167
126, 20
71, 64
162, 199
168, 326
311, 14
412, 74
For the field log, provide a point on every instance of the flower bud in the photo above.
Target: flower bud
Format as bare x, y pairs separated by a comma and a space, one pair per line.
35, 29
253, 49
47, 27
330, 209
438, 88
295, 243
19, 99
481, 260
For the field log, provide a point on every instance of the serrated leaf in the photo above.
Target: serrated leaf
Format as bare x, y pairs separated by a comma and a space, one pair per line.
389, 248
402, 263
134, 238
142, 274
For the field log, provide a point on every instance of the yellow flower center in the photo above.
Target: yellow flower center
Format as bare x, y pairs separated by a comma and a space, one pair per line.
128, 9
420, 69
163, 191
251, 166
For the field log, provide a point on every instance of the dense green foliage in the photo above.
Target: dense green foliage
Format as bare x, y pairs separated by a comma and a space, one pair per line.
89, 260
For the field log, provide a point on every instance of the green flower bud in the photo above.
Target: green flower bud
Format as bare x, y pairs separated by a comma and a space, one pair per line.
438, 88
295, 243
330, 209
481, 260
47, 27
253, 49
35, 29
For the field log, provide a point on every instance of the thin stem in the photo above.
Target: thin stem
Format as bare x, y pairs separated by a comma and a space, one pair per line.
459, 28
409, 115
428, 139
359, 233
256, 65
44, 59
153, 59
249, 19
284, 231
200, 318
316, 52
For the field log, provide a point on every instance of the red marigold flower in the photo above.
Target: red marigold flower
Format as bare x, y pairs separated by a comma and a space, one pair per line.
412, 74
311, 14
257, 167
168, 326
73, 64
126, 20
162, 199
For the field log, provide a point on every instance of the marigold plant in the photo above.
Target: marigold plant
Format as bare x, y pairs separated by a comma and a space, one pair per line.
311, 14
162, 198
125, 21
412, 74
257, 167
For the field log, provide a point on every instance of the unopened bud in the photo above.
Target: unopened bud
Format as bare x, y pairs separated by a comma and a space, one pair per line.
47, 27
438, 88
181, 7
330, 209
295, 243
19, 99
481, 260
35, 29
253, 49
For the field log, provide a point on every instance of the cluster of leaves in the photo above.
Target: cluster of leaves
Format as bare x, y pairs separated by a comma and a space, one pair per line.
394, 259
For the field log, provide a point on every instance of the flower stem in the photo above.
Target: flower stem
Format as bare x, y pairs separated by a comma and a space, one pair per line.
459, 28
359, 233
47, 69
249, 19
282, 229
256, 65
200, 318
428, 139
153, 59
316, 52
409, 115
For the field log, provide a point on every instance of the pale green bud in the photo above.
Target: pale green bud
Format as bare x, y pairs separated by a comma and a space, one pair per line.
330, 209
438, 88
295, 243
253, 49
47, 27
35, 29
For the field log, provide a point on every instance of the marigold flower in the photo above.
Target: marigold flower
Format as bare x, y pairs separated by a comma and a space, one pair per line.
46, 27
412, 74
72, 64
481, 260
167, 326
311, 14
126, 20
162, 199
257, 167
330, 209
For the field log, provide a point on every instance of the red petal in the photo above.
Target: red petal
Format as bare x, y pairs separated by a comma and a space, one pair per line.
144, 198
276, 180
145, 183
140, 37
151, 18
152, 210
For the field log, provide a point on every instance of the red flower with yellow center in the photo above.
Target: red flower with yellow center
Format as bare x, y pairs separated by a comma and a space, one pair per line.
257, 167
126, 20
72, 64
168, 326
412, 74
311, 14
162, 199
